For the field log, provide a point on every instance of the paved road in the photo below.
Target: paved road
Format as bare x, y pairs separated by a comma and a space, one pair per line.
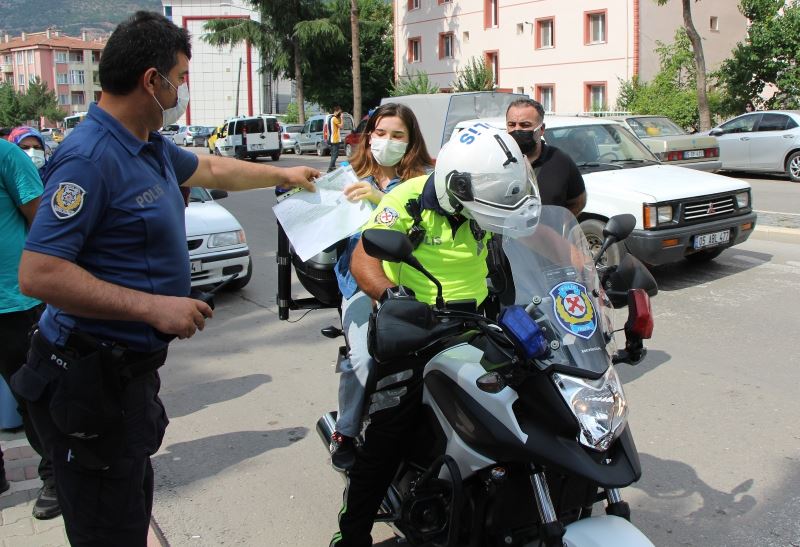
775, 198
713, 408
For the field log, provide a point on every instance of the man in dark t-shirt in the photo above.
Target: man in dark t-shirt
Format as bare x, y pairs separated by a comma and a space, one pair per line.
560, 182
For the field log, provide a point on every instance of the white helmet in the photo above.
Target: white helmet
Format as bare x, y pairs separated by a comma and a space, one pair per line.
482, 174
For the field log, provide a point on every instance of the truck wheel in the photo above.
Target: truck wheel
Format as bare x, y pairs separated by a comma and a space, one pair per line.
593, 229
276, 156
240, 282
705, 256
793, 166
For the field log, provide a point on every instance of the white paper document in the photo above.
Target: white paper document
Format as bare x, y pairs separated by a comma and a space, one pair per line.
315, 221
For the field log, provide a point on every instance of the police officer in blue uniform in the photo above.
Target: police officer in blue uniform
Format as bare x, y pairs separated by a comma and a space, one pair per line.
107, 252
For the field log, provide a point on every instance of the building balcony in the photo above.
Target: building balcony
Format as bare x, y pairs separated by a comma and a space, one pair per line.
6, 68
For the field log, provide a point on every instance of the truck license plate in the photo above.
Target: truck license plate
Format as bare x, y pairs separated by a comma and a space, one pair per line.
197, 266
693, 154
256, 147
711, 240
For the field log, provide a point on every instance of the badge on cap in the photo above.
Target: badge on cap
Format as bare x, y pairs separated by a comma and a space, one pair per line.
67, 200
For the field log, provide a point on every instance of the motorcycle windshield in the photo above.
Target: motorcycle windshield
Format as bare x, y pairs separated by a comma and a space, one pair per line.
553, 269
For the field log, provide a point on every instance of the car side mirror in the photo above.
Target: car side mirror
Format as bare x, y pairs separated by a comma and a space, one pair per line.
716, 132
219, 194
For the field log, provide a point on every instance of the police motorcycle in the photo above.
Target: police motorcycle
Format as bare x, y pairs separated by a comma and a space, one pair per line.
525, 416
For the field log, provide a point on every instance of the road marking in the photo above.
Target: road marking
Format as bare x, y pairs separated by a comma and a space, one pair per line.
778, 213
750, 259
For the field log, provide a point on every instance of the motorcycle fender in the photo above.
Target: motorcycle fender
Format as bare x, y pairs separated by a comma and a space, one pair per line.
604, 531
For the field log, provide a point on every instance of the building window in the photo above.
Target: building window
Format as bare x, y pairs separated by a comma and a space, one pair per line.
61, 78
445, 1
714, 23
97, 96
6, 59
30, 56
76, 77
595, 97
414, 50
20, 58
75, 56
77, 97
96, 77
21, 80
413, 4
168, 12
63, 99
545, 94
595, 27
95, 57
491, 14
545, 37
446, 45
492, 60
61, 56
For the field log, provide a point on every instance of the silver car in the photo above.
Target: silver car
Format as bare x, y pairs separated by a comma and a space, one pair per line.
289, 136
765, 141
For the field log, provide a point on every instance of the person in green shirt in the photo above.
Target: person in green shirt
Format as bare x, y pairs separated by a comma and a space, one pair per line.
482, 184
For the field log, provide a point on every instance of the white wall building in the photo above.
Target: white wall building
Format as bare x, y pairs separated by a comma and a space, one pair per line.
568, 54
214, 72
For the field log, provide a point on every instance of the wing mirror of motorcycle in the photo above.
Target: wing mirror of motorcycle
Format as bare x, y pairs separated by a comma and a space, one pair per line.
630, 274
395, 246
617, 228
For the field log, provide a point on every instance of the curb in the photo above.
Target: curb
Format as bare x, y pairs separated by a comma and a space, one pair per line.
155, 537
777, 230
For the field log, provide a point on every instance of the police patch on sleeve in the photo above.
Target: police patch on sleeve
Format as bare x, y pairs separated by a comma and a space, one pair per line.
387, 216
67, 200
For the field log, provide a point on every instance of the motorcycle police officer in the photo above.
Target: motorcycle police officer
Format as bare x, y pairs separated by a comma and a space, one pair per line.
107, 252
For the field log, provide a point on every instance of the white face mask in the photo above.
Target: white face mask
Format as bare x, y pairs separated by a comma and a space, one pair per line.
171, 115
387, 152
37, 156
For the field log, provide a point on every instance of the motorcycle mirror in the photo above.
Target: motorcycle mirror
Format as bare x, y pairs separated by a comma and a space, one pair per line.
387, 245
630, 274
616, 229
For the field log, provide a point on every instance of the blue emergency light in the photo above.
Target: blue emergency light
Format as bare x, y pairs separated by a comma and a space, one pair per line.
524, 331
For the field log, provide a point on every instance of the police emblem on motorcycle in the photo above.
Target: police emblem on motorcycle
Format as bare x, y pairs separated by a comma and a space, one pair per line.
67, 200
387, 216
573, 309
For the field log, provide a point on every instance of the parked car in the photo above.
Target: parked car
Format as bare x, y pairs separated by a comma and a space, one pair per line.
672, 145
766, 141
217, 243
169, 130
218, 132
352, 140
191, 135
50, 144
289, 135
314, 136
250, 137
58, 135
680, 213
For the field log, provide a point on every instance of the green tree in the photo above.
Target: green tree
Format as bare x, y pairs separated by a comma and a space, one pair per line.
768, 57
11, 113
475, 76
279, 38
39, 101
292, 113
672, 92
699, 63
413, 84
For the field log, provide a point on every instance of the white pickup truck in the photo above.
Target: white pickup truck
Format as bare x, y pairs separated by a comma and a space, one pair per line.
680, 213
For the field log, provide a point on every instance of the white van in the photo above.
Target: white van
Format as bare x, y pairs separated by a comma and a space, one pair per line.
251, 137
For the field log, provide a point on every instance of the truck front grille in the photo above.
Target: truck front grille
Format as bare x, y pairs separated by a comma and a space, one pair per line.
707, 208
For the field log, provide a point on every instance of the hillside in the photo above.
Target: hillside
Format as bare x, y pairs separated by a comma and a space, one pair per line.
69, 16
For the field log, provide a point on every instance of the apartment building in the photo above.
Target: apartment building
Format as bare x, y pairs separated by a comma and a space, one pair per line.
215, 78
571, 55
68, 65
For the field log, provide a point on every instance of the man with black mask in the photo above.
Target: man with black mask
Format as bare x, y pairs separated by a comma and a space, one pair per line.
560, 182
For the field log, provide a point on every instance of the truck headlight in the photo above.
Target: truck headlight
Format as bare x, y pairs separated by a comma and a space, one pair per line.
598, 405
226, 239
657, 214
743, 200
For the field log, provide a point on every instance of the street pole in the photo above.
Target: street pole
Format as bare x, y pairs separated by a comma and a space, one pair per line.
238, 85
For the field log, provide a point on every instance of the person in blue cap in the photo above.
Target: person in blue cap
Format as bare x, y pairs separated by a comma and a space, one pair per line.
107, 253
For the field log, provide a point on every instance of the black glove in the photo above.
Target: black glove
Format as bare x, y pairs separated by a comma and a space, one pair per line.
398, 291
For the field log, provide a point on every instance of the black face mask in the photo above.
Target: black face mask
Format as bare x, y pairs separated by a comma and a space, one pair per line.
525, 140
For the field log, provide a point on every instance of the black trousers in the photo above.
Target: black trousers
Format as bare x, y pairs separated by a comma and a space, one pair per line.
14, 330
108, 505
334, 155
385, 445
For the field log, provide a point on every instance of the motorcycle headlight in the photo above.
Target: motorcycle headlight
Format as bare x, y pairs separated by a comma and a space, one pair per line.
599, 406
226, 239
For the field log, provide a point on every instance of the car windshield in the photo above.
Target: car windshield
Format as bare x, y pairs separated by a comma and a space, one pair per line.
294, 128
199, 195
599, 147
654, 127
